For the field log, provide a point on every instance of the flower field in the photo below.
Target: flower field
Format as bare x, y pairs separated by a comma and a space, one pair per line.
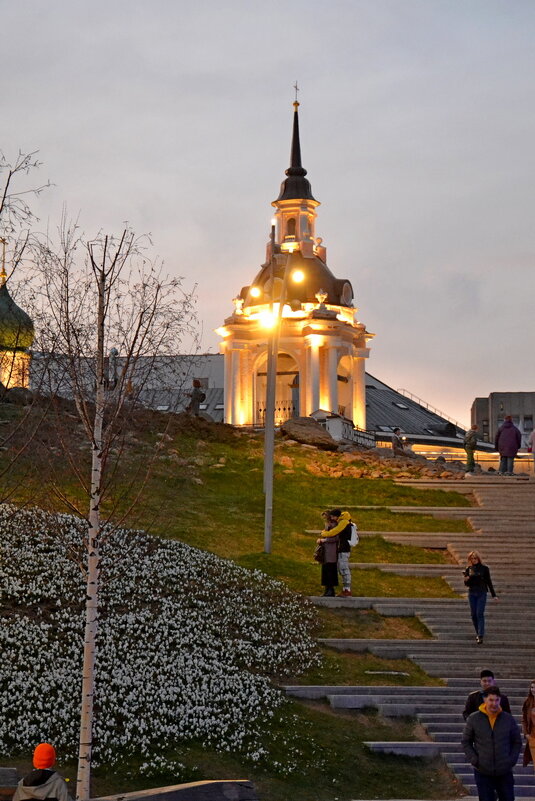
186, 647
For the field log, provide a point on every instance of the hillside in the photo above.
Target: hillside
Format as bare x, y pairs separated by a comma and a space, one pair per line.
205, 490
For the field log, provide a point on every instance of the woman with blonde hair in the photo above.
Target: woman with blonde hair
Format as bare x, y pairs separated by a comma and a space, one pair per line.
528, 725
477, 579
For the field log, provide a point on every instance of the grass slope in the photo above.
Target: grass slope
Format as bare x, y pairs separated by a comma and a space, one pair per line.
206, 490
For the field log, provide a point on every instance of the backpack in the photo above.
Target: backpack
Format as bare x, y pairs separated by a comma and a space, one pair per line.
354, 536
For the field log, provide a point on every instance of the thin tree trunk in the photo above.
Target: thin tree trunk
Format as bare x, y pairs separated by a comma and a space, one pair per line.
83, 781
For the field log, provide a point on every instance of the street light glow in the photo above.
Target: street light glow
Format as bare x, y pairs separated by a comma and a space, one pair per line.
255, 292
298, 276
266, 319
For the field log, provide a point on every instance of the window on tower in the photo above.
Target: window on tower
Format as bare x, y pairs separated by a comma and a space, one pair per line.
290, 227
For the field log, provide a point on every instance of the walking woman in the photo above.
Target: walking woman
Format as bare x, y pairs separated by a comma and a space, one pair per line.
329, 567
528, 725
477, 579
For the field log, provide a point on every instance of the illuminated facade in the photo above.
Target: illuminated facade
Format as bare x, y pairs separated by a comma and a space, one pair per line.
322, 345
16, 337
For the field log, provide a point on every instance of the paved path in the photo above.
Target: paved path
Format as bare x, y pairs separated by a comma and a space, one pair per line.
504, 532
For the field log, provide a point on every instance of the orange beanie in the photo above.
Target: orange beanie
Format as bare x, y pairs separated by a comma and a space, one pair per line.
44, 756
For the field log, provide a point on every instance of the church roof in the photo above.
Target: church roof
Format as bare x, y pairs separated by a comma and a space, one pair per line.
296, 186
317, 276
16, 327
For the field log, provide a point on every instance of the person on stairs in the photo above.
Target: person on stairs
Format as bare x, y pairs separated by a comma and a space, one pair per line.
507, 442
528, 725
491, 743
477, 579
475, 699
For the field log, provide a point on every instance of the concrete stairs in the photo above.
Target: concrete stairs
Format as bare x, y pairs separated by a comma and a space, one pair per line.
504, 533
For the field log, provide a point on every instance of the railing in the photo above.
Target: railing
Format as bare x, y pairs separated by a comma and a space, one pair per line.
342, 430
284, 410
429, 407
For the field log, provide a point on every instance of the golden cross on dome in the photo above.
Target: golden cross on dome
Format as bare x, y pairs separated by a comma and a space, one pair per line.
296, 102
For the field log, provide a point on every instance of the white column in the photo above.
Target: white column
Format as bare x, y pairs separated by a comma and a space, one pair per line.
359, 392
314, 377
227, 392
236, 386
332, 378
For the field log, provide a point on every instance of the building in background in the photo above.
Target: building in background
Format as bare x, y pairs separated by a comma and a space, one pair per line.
489, 413
16, 337
322, 344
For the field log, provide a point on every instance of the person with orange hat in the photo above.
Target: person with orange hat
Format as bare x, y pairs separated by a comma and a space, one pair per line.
42, 782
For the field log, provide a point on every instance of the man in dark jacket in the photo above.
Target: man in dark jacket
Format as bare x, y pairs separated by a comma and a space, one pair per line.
491, 742
475, 699
507, 443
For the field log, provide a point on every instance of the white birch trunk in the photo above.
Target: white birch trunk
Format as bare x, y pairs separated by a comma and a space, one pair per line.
83, 780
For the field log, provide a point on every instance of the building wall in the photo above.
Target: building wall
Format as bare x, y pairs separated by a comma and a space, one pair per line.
489, 413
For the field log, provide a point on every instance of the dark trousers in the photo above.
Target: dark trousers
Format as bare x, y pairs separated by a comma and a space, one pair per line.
478, 601
506, 464
490, 786
470, 461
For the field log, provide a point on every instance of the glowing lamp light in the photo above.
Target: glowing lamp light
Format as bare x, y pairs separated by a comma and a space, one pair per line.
298, 276
255, 292
266, 319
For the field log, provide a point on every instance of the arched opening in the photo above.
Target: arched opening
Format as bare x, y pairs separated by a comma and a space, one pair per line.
286, 390
345, 387
290, 227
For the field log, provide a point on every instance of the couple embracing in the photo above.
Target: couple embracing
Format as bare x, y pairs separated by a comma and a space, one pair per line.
338, 536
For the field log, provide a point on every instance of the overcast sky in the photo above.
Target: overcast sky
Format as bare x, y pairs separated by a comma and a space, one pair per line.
417, 131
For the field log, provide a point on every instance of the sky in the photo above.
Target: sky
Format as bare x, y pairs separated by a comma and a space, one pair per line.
417, 130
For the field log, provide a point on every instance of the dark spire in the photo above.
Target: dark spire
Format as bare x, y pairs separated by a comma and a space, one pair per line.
296, 186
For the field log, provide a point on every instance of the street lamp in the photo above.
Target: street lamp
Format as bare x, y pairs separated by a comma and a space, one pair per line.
269, 422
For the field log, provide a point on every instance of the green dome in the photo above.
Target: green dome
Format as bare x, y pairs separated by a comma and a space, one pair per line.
16, 328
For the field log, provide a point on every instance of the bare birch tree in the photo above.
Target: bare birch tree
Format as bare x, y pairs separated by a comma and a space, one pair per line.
109, 320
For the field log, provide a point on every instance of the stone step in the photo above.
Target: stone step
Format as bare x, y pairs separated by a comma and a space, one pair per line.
455, 691
436, 647
524, 791
425, 749
521, 774
445, 670
392, 706
455, 717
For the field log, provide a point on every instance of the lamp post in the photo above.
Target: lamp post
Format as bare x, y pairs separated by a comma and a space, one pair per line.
271, 379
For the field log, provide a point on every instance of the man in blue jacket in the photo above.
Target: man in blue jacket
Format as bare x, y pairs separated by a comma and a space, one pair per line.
491, 742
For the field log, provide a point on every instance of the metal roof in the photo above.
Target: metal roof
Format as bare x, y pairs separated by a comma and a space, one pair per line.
387, 409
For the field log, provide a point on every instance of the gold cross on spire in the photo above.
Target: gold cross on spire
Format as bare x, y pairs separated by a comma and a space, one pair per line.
296, 102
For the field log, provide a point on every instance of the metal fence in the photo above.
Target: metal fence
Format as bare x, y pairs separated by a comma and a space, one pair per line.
284, 410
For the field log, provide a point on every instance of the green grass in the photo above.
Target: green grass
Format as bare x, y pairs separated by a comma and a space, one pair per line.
351, 668
368, 624
224, 513
377, 549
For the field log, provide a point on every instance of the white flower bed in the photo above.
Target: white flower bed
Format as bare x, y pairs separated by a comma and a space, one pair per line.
186, 642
